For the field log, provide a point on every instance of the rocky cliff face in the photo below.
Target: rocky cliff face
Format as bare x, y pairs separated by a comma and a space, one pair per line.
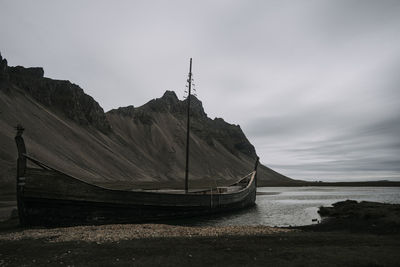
3, 68
61, 96
210, 130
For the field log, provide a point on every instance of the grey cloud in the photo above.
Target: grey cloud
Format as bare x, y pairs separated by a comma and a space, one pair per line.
310, 82
374, 148
348, 19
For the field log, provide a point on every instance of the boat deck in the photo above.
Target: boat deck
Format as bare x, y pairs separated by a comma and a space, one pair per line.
203, 191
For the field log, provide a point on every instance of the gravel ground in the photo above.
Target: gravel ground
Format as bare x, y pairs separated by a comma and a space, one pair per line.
295, 248
118, 232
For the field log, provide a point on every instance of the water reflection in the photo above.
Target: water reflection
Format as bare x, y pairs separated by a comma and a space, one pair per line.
293, 206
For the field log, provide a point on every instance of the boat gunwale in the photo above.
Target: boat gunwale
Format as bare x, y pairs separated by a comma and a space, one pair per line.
42, 165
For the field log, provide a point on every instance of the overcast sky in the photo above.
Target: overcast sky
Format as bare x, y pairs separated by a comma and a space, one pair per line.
315, 85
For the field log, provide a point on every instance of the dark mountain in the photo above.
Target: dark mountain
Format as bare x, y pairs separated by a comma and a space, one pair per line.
62, 96
128, 146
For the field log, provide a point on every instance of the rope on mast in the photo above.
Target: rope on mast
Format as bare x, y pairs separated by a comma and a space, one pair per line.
188, 129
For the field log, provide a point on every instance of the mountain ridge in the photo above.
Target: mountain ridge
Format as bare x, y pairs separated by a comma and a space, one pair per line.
69, 130
204, 127
63, 95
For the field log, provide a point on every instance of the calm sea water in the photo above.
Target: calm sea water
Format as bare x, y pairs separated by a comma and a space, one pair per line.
294, 206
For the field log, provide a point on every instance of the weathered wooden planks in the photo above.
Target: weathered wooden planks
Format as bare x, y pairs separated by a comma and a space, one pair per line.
53, 198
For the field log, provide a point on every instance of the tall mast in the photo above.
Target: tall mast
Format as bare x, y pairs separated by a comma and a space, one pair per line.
188, 129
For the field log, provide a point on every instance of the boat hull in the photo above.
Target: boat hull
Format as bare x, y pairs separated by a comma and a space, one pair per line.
51, 212
50, 198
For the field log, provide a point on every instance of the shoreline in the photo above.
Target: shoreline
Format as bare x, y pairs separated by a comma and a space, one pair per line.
171, 245
334, 184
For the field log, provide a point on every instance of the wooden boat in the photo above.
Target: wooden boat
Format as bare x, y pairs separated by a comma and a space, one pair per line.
47, 196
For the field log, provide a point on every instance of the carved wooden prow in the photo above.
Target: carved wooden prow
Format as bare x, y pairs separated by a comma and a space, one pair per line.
255, 168
21, 151
21, 168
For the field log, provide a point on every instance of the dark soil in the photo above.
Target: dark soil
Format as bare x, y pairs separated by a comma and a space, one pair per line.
294, 249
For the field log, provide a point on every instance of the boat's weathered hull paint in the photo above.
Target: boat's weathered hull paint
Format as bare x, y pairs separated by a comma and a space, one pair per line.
52, 198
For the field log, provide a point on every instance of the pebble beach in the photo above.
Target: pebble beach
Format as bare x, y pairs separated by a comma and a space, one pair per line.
119, 232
